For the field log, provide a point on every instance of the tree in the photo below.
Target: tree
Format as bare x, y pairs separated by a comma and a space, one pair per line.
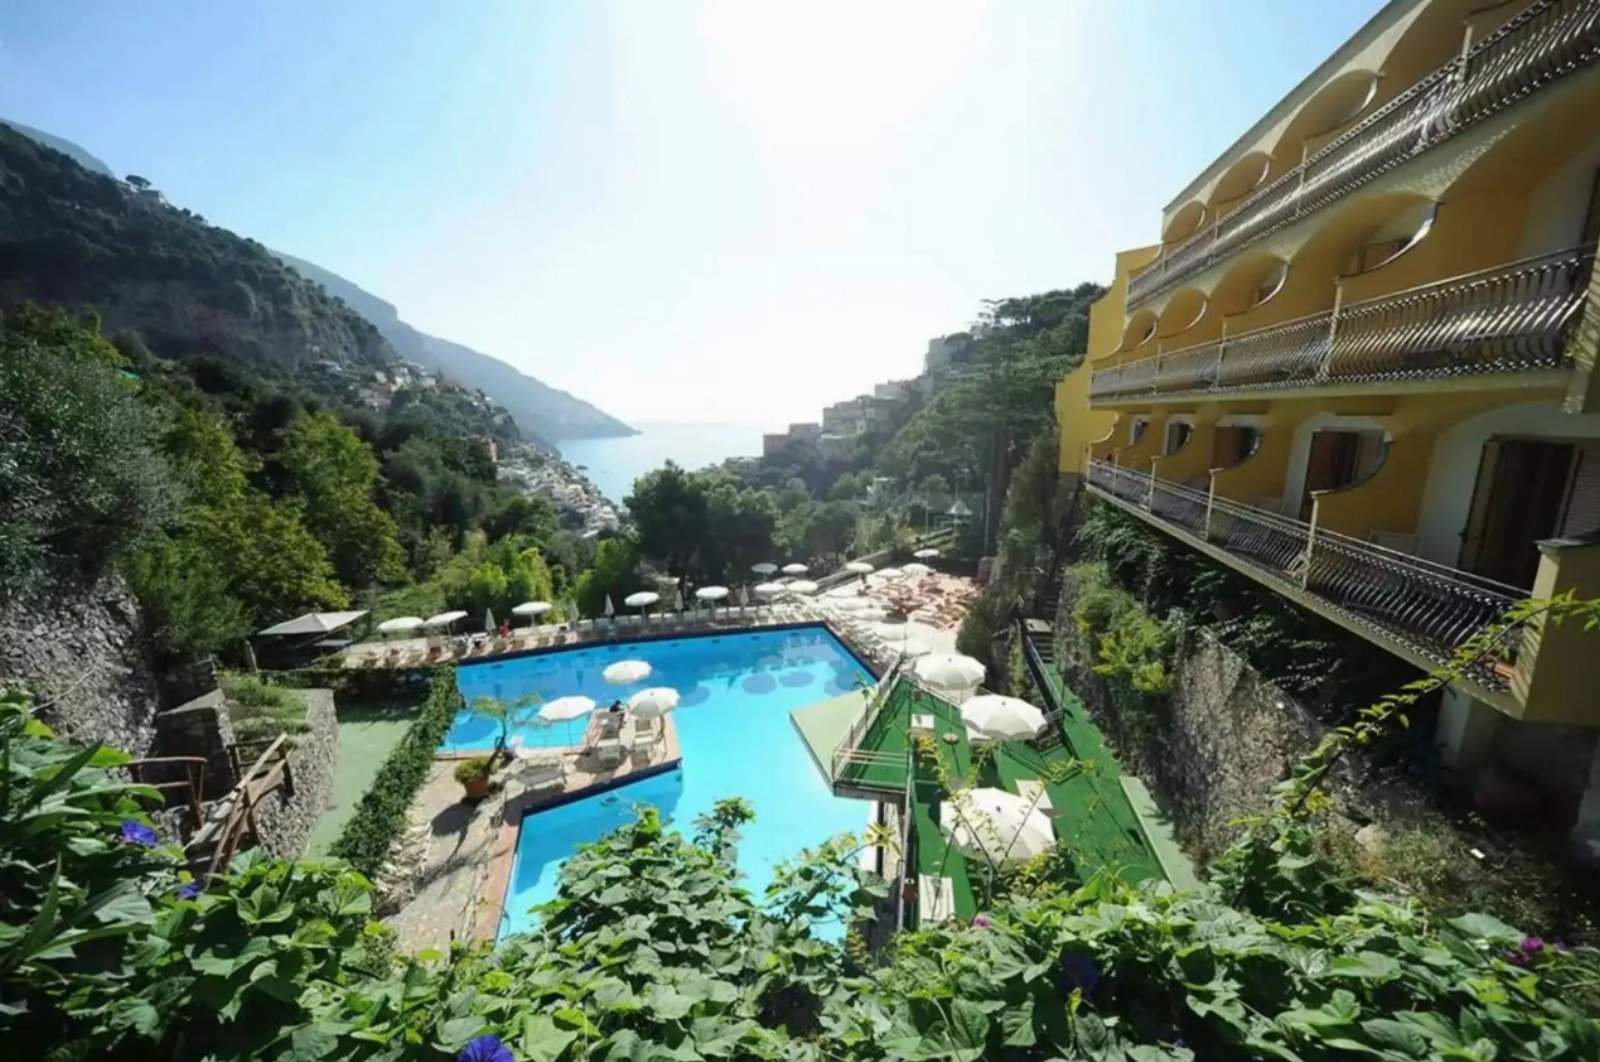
334, 472
615, 571
80, 478
669, 508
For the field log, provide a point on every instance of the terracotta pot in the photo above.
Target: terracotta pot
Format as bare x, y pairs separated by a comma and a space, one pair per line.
477, 788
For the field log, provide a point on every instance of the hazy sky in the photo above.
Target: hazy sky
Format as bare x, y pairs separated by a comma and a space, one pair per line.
718, 211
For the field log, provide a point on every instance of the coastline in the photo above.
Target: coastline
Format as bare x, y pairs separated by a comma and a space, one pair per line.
580, 506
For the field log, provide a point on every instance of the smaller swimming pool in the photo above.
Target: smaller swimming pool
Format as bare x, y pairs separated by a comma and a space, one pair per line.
549, 837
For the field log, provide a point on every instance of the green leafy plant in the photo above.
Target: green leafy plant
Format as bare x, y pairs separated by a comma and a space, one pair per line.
474, 769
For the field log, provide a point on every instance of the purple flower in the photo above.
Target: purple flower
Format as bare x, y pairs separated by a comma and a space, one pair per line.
190, 891
981, 922
1077, 970
1532, 945
1517, 958
137, 833
486, 1049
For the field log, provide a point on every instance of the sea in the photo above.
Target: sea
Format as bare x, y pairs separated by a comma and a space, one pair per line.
613, 464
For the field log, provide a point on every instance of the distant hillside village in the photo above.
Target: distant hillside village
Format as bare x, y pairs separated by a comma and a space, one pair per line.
882, 412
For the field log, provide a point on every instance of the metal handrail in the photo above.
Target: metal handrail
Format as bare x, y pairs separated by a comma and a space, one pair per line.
1431, 608
1510, 318
1535, 48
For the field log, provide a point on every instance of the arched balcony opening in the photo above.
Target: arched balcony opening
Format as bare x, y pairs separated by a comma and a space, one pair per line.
1182, 312
1140, 330
1253, 281
1186, 220
1242, 178
1334, 106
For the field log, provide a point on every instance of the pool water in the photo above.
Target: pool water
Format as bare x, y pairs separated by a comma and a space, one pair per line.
737, 691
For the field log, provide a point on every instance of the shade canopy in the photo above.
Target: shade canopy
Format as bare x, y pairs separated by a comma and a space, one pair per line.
627, 672
532, 608
711, 593
764, 568
769, 589
995, 825
1003, 718
654, 702
852, 604
564, 708
401, 623
890, 573
858, 567
643, 599
872, 614
444, 619
926, 554
917, 569
313, 623
949, 671
802, 586
795, 569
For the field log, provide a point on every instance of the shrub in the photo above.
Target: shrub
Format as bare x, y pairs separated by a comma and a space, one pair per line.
381, 815
1129, 647
259, 711
474, 769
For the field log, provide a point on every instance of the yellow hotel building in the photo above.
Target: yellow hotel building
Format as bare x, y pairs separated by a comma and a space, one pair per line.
1359, 366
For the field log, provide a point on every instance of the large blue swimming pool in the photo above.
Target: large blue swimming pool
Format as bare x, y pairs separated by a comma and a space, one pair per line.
733, 727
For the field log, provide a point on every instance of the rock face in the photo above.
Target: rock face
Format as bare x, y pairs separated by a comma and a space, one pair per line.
80, 648
578, 502
286, 818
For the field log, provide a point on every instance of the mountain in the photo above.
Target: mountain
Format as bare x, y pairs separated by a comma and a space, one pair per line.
66, 147
184, 287
541, 411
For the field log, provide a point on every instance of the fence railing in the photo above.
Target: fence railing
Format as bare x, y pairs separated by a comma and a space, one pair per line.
1512, 318
1430, 608
1535, 48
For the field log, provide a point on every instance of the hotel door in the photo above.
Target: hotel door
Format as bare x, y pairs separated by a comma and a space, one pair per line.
1528, 490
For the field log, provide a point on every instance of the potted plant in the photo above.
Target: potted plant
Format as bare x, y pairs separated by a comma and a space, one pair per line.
473, 774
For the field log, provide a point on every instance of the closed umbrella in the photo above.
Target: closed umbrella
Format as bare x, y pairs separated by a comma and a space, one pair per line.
996, 826
925, 554
627, 672
744, 596
611, 610
679, 592
949, 671
1003, 718
795, 569
488, 621
565, 710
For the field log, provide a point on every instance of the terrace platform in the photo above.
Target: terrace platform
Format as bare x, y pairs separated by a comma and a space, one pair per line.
823, 726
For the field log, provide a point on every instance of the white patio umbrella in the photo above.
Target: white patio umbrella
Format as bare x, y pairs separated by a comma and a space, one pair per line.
627, 672
802, 586
851, 604
872, 614
642, 601
653, 703
764, 568
401, 624
858, 567
795, 569
532, 608
915, 568
712, 594
995, 825
1003, 718
889, 573
443, 619
949, 671
925, 554
769, 589
565, 710
846, 590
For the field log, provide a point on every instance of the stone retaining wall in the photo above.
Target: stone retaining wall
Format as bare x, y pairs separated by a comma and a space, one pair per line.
287, 818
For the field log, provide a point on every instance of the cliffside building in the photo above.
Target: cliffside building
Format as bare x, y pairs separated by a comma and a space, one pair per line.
1359, 366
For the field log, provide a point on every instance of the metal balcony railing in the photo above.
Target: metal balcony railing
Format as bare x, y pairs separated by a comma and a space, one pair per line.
1545, 42
1513, 318
1429, 608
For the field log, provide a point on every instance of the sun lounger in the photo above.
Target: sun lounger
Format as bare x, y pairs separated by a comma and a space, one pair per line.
936, 899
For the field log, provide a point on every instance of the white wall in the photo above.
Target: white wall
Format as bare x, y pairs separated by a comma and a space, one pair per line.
1453, 469
1556, 209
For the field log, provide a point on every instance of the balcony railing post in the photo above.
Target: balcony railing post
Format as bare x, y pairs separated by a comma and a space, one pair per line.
1211, 502
1333, 329
1150, 495
1311, 545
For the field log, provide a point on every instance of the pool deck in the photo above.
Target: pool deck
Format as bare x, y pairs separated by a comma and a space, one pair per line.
465, 851
823, 726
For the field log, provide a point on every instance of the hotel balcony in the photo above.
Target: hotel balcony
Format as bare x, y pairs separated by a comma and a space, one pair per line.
1535, 49
1420, 611
1513, 319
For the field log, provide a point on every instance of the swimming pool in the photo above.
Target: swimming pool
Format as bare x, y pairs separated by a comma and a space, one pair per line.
733, 729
